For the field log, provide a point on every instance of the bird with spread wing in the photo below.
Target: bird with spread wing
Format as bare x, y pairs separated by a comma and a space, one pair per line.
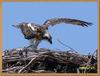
35, 33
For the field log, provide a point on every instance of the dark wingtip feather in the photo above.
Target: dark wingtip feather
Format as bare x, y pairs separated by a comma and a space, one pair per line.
87, 24
90, 23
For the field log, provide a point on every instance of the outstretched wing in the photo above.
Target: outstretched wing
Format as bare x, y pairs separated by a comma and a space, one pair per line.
55, 21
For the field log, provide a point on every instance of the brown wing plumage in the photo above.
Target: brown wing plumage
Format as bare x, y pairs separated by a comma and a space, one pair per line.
27, 29
55, 21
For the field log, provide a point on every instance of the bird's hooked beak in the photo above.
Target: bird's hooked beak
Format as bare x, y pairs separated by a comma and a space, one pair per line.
50, 40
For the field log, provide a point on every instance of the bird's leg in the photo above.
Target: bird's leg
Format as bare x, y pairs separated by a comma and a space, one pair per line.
34, 43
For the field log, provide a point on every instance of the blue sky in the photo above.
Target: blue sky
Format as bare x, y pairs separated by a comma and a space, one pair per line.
83, 40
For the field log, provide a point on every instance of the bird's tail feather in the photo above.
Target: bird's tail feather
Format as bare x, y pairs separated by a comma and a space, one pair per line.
15, 26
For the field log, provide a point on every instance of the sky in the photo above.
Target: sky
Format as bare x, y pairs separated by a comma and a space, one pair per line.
82, 39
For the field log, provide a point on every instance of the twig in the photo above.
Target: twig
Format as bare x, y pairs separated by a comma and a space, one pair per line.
27, 64
87, 64
65, 45
33, 59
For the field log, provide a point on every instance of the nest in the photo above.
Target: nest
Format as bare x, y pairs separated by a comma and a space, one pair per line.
25, 60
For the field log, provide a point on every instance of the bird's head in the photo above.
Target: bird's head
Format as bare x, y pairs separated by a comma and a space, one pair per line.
47, 37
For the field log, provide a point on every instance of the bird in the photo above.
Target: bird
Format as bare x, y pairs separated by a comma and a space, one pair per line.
35, 33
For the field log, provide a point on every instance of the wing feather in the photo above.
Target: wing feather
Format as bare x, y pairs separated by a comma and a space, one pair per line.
28, 29
55, 21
